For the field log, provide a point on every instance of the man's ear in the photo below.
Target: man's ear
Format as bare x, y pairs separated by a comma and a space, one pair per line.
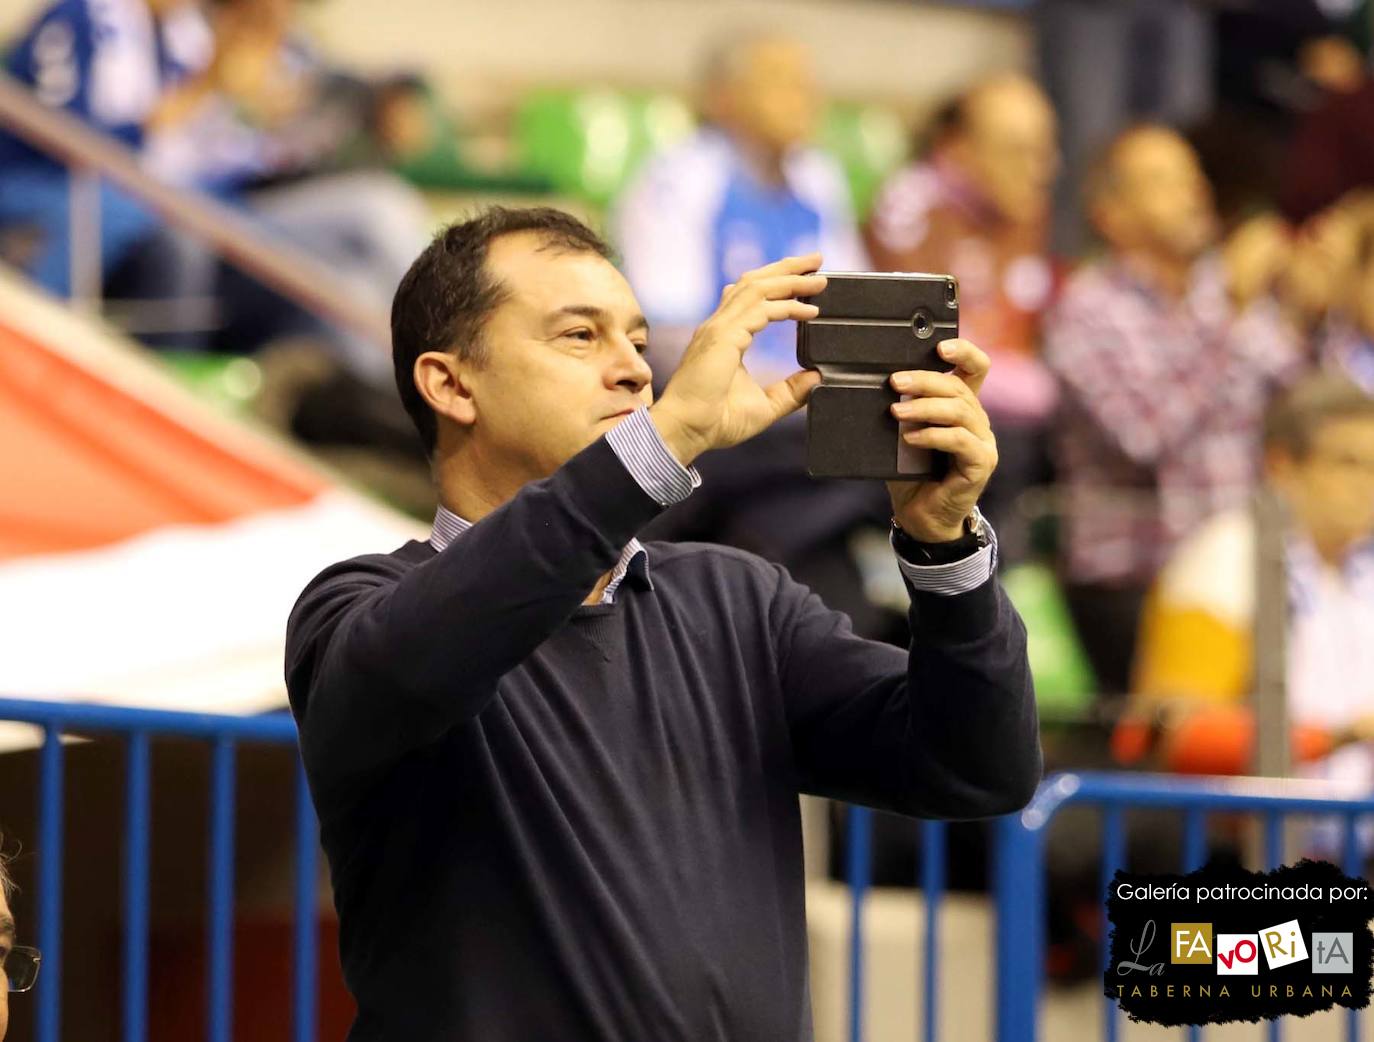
440, 378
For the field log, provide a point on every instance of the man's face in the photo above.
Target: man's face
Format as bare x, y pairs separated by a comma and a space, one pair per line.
1159, 201
564, 358
1331, 488
6, 943
1008, 148
772, 98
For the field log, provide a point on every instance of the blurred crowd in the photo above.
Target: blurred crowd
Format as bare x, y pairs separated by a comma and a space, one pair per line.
1212, 336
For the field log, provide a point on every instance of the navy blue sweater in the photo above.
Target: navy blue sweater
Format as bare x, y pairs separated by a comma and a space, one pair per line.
552, 821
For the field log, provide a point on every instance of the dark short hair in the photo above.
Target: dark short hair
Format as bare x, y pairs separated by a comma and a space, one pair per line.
1292, 421
446, 297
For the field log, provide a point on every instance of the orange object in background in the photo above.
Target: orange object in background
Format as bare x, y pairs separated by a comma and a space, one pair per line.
1221, 740
172, 537
92, 465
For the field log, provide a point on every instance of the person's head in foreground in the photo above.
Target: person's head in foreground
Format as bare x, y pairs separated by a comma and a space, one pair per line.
1319, 456
1150, 200
20, 964
1002, 135
761, 89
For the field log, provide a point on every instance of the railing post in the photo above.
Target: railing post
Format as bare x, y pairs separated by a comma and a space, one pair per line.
50, 808
84, 235
858, 872
1113, 857
1018, 888
933, 835
220, 984
137, 825
305, 976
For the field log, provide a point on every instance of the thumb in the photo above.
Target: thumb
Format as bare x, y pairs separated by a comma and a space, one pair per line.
789, 395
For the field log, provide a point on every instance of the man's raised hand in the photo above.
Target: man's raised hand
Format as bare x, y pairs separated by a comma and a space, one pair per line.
947, 404
711, 401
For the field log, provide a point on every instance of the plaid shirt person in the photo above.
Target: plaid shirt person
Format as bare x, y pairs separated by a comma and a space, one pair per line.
1160, 415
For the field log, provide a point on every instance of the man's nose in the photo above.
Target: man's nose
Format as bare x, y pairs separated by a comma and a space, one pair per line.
629, 368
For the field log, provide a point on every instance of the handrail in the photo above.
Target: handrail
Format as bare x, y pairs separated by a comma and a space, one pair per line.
97, 717
1298, 795
283, 268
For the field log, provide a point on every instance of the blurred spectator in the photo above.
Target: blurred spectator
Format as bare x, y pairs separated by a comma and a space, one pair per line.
1196, 660
1332, 152
978, 207
1347, 344
1317, 281
1109, 63
1166, 350
236, 109
405, 129
297, 116
744, 190
1276, 60
120, 68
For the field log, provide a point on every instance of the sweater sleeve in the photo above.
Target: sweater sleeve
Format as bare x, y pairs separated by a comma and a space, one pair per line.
379, 663
948, 730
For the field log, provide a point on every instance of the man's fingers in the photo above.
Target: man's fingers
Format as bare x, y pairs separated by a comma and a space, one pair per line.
779, 287
789, 395
799, 265
763, 313
971, 366
969, 359
973, 456
945, 412
926, 383
971, 362
797, 310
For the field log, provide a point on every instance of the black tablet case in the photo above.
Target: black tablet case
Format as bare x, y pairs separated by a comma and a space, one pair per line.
872, 325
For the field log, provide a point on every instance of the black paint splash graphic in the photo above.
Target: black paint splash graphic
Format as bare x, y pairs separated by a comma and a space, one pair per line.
1149, 986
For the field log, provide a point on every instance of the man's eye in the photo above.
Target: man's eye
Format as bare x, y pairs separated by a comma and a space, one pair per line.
641, 347
579, 334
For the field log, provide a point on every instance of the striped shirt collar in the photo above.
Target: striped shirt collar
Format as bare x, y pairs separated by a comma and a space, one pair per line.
634, 559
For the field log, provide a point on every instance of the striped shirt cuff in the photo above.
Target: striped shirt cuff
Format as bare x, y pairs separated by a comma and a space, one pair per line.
956, 576
650, 462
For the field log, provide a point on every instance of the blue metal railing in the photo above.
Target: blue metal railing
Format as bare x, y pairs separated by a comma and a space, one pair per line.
858, 874
139, 727
1019, 865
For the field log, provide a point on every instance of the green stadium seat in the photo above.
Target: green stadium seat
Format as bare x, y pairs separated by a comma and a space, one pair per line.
227, 381
870, 141
588, 143
1064, 683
